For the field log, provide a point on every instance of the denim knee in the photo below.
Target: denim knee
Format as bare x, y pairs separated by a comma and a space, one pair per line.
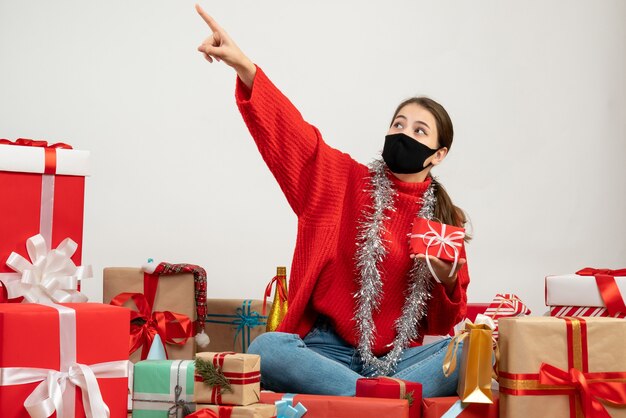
267, 343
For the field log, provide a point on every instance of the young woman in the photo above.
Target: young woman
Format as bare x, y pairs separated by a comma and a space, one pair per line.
359, 302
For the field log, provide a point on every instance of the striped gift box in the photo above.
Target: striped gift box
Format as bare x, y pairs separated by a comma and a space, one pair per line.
583, 311
505, 305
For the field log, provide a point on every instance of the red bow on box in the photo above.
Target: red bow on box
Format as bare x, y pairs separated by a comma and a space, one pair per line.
605, 279
589, 386
168, 325
440, 240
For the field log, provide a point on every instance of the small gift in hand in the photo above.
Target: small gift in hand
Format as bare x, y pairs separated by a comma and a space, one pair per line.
439, 240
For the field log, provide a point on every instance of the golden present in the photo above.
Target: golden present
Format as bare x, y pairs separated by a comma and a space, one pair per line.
476, 366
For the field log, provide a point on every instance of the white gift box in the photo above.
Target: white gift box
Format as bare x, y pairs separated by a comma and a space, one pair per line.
26, 159
575, 290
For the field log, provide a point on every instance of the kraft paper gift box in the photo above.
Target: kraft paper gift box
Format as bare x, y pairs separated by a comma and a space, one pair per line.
232, 324
322, 406
39, 340
451, 406
561, 367
388, 387
256, 410
241, 371
42, 189
591, 288
155, 393
174, 293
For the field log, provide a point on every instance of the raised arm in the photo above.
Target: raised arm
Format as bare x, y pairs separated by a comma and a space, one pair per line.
219, 46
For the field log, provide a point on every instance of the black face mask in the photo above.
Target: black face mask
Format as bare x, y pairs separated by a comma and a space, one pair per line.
405, 155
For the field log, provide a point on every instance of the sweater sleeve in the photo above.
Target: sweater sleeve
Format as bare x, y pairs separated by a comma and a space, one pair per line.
445, 311
309, 172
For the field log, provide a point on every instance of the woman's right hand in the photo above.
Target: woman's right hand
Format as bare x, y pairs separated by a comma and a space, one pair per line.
220, 46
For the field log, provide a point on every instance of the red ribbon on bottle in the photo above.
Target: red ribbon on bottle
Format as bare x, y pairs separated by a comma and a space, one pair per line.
584, 388
605, 280
50, 165
169, 325
280, 288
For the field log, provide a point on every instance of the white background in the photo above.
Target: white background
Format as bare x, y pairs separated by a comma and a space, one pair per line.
536, 91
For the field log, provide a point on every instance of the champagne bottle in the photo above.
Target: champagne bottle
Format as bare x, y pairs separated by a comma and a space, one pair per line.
279, 305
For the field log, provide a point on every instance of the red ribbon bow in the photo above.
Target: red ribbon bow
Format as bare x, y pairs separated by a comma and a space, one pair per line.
589, 389
605, 280
50, 164
268, 292
168, 325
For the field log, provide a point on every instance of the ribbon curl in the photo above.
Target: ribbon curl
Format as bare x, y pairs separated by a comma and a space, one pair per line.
448, 244
285, 408
590, 391
35, 143
50, 277
145, 324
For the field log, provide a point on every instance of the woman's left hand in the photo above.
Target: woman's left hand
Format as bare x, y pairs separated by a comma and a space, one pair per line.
442, 269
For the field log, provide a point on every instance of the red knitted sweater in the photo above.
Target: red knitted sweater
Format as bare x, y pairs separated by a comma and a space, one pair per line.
325, 188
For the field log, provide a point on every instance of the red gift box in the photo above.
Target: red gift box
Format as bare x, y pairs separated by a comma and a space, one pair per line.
437, 407
43, 192
388, 387
322, 406
41, 341
440, 240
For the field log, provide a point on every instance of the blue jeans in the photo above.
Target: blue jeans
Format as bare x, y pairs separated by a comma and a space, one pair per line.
323, 363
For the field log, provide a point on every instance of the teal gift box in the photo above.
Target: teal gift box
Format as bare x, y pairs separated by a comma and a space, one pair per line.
163, 388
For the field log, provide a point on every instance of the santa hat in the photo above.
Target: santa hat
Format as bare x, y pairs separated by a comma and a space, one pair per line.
199, 278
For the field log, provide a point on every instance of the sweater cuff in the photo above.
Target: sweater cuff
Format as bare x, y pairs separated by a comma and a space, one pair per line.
242, 93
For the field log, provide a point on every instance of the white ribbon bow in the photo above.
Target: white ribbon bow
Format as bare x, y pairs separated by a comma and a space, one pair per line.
449, 245
48, 395
50, 277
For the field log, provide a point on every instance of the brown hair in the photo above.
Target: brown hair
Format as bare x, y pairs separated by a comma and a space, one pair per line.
445, 211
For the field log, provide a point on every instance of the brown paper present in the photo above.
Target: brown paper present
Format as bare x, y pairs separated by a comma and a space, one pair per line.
562, 367
256, 410
232, 324
227, 378
175, 293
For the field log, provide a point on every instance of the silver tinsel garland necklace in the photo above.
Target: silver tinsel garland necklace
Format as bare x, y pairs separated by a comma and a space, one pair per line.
369, 256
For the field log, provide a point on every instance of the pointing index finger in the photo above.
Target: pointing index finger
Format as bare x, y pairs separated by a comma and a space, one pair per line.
208, 19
